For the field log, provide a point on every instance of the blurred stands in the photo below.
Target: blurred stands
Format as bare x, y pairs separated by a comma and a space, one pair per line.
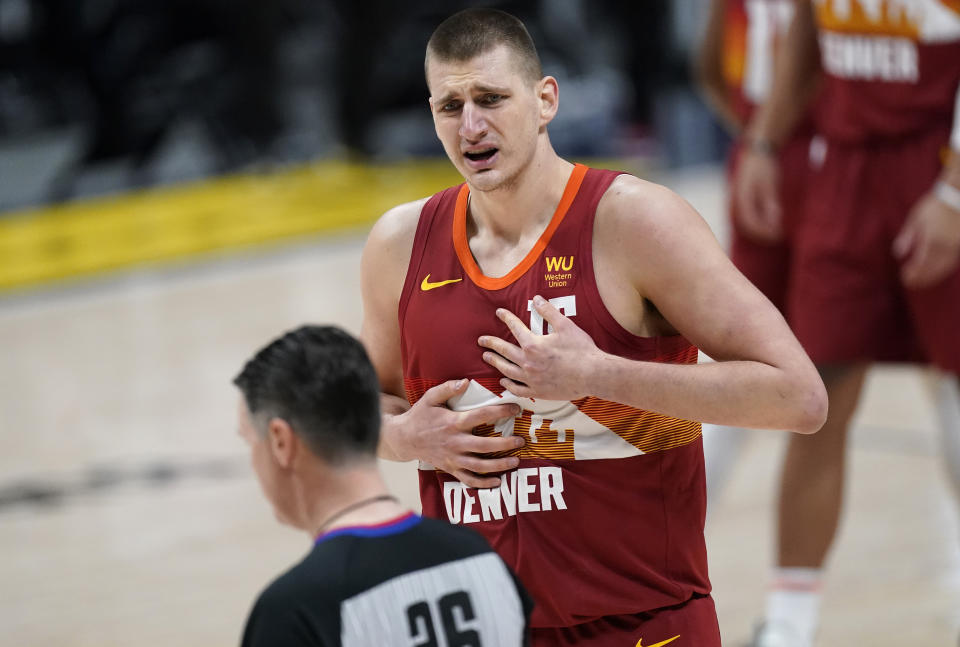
105, 97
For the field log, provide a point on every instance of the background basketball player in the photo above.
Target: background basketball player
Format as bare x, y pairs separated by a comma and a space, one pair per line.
875, 254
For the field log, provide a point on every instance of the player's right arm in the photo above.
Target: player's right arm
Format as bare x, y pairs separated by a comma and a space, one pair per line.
796, 74
428, 430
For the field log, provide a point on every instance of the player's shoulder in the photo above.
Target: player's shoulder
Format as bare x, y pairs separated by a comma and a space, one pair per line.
634, 205
641, 227
399, 223
389, 244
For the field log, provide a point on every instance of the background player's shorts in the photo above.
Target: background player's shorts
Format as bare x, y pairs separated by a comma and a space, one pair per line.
767, 265
846, 302
693, 623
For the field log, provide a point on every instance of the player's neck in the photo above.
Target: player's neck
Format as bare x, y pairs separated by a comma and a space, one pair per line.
525, 204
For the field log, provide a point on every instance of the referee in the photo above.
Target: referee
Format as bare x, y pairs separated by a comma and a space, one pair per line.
377, 574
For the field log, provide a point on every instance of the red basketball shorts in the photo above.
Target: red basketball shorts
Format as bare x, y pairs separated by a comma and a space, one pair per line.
846, 301
691, 624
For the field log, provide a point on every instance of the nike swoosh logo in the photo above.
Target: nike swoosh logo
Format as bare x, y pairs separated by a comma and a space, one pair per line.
662, 642
427, 285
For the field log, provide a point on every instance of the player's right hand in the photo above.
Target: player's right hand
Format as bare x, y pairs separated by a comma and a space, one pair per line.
444, 438
757, 196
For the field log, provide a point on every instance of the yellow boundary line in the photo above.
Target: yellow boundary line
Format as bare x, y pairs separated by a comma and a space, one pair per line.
94, 236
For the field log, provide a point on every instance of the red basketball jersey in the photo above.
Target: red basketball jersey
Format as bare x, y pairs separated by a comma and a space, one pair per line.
752, 31
604, 514
891, 67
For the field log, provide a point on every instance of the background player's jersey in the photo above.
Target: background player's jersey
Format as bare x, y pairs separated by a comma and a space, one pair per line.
752, 31
604, 514
891, 67
411, 581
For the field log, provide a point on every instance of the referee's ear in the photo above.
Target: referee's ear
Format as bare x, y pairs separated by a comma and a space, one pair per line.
283, 442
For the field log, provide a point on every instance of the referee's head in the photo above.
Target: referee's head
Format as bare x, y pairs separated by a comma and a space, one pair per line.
319, 381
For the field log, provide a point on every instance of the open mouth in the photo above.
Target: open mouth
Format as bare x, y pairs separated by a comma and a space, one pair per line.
479, 156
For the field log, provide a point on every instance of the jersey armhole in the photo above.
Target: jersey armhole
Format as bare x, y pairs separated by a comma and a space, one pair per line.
427, 214
660, 345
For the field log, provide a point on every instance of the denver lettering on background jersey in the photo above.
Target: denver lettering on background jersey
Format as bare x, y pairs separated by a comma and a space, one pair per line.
885, 50
608, 500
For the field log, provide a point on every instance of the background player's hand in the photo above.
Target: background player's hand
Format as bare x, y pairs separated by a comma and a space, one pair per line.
757, 196
928, 245
445, 439
550, 366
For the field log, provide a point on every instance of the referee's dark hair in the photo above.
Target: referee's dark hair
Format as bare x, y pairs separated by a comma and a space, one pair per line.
321, 382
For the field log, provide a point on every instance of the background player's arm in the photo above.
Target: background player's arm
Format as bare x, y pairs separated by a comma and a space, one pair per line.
795, 77
428, 430
796, 74
762, 378
709, 69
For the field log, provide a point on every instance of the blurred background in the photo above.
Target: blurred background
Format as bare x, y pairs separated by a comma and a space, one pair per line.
182, 181
101, 96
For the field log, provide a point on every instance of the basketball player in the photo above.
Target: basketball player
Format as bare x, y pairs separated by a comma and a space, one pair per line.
377, 574
875, 254
535, 331
735, 68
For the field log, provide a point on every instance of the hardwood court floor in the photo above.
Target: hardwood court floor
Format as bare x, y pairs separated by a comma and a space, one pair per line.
129, 516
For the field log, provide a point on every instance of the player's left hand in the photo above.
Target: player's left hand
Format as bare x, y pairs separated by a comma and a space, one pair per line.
553, 366
928, 245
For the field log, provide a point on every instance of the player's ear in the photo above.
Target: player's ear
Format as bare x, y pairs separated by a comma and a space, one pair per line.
282, 442
548, 93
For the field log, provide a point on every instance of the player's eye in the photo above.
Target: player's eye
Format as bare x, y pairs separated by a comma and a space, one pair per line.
450, 106
492, 98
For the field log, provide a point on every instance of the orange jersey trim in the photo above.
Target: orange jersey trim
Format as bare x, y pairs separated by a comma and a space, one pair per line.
893, 20
462, 246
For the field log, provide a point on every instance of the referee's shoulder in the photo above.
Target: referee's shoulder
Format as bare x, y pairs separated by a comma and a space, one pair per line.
466, 540
289, 585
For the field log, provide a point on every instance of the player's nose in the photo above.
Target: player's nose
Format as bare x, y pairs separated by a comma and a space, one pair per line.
473, 124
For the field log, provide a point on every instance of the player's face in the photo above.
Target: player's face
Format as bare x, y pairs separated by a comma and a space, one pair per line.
264, 465
487, 115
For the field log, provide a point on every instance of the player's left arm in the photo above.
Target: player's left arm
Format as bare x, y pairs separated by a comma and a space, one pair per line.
762, 378
928, 245
708, 69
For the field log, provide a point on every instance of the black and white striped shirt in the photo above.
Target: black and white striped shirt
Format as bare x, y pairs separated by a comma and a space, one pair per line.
411, 582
